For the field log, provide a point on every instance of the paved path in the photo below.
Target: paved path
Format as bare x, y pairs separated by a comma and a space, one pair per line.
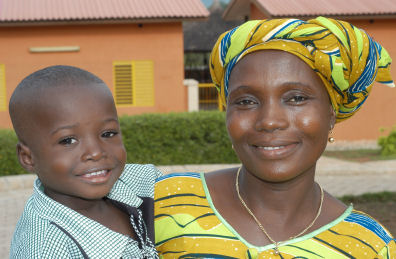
337, 177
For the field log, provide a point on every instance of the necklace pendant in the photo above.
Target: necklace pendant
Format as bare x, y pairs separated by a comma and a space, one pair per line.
276, 250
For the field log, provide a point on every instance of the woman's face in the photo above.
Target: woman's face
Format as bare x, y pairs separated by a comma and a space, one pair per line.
278, 115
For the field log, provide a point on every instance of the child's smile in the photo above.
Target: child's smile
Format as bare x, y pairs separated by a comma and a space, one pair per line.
79, 152
96, 177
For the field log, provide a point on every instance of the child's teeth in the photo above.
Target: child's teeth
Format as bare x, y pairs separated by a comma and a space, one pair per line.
97, 173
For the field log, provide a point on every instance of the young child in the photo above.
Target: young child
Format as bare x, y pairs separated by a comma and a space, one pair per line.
86, 202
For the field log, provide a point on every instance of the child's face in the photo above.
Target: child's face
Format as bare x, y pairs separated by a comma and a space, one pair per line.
76, 143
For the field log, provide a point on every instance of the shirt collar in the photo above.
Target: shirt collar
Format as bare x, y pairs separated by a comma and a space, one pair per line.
87, 232
124, 192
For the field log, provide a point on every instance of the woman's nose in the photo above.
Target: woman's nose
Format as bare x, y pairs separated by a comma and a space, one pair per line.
271, 116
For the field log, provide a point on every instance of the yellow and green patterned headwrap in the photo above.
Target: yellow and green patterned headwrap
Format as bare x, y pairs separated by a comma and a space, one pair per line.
346, 59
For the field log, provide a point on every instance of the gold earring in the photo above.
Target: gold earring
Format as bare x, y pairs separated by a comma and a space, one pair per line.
331, 139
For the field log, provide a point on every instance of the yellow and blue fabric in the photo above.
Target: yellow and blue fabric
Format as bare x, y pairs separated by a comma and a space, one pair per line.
346, 58
187, 225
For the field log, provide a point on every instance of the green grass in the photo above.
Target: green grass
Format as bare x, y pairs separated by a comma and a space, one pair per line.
369, 197
358, 155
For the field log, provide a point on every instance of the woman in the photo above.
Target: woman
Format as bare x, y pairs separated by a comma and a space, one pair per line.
285, 83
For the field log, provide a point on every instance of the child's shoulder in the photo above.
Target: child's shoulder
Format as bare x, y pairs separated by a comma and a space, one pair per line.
140, 173
137, 180
35, 235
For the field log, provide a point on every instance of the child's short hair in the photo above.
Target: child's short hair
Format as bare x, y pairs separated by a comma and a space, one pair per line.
29, 90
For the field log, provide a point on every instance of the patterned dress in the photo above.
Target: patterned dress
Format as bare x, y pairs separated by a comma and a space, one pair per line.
187, 225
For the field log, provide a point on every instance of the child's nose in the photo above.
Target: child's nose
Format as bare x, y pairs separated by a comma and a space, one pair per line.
93, 151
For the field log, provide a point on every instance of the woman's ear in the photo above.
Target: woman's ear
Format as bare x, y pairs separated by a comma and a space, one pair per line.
333, 117
25, 157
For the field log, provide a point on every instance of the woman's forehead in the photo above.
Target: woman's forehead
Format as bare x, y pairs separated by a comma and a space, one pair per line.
277, 67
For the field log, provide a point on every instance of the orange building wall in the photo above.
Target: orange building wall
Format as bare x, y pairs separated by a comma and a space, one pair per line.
379, 111
100, 45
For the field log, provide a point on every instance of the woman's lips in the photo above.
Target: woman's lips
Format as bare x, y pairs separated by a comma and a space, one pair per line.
275, 151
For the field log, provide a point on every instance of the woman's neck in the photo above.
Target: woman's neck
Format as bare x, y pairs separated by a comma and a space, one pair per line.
285, 209
285, 198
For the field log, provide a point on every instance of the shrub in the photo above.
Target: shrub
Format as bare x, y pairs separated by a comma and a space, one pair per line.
160, 139
9, 164
388, 143
177, 138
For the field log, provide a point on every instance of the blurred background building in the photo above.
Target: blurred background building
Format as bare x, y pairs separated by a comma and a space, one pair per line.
135, 46
144, 49
377, 18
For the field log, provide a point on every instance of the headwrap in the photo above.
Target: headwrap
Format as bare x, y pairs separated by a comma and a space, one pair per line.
346, 59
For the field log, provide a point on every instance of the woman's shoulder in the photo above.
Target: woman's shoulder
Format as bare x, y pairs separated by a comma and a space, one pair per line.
178, 177
177, 183
353, 234
370, 225
366, 233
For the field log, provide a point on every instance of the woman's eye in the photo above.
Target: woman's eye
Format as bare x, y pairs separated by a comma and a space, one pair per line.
109, 134
246, 102
298, 99
68, 141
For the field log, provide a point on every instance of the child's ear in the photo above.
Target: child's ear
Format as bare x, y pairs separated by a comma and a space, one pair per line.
25, 157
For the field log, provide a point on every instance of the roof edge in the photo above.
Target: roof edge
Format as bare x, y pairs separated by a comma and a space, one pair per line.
228, 8
229, 13
341, 17
98, 21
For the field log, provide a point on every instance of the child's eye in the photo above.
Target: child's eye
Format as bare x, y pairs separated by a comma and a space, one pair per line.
109, 134
68, 141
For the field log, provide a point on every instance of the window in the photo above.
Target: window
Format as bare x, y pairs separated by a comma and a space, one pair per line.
3, 97
134, 83
209, 97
